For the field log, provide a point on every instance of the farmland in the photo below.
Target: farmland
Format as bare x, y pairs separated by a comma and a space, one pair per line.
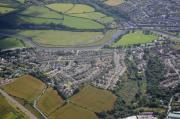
50, 101
132, 38
59, 16
57, 38
11, 43
9, 112
71, 111
94, 99
31, 86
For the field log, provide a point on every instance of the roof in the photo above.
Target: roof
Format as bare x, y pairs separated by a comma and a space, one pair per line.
172, 115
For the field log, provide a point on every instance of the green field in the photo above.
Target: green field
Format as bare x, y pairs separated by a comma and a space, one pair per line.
11, 43
81, 11
25, 87
50, 101
94, 99
47, 16
132, 38
4, 9
71, 111
9, 112
57, 38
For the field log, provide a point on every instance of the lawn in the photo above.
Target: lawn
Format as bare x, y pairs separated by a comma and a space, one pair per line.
132, 38
9, 112
10, 43
50, 101
114, 2
26, 87
62, 38
4, 10
71, 111
94, 99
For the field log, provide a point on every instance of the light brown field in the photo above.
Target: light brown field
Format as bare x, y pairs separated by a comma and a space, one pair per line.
114, 2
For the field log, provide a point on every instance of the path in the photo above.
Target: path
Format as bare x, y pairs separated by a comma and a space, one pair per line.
17, 104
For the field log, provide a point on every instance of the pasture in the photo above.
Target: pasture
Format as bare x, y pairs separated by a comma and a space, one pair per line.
50, 101
94, 99
81, 8
25, 87
114, 2
60, 7
132, 38
62, 38
11, 43
70, 111
9, 112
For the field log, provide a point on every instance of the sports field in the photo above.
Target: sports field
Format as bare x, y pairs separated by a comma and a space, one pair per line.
132, 38
9, 112
71, 111
114, 2
50, 101
94, 99
25, 87
10, 43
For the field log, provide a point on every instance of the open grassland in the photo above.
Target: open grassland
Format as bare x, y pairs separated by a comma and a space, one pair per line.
132, 38
71, 111
21, 1
9, 112
57, 38
50, 101
26, 87
114, 2
4, 10
94, 99
11, 43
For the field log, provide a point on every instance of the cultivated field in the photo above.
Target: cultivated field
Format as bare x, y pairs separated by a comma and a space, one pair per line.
137, 37
94, 99
71, 111
25, 87
114, 2
50, 101
9, 112
10, 43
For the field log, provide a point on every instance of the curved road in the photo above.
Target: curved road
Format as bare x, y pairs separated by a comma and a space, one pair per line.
17, 104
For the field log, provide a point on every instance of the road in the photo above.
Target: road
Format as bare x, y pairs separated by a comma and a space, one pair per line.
17, 104
169, 106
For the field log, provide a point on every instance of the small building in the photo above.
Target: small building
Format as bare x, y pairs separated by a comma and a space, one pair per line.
174, 115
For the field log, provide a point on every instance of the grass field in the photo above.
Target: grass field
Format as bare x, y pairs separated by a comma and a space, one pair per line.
80, 11
66, 38
137, 37
94, 99
50, 101
26, 87
4, 10
114, 2
61, 7
71, 111
11, 43
9, 112
81, 8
